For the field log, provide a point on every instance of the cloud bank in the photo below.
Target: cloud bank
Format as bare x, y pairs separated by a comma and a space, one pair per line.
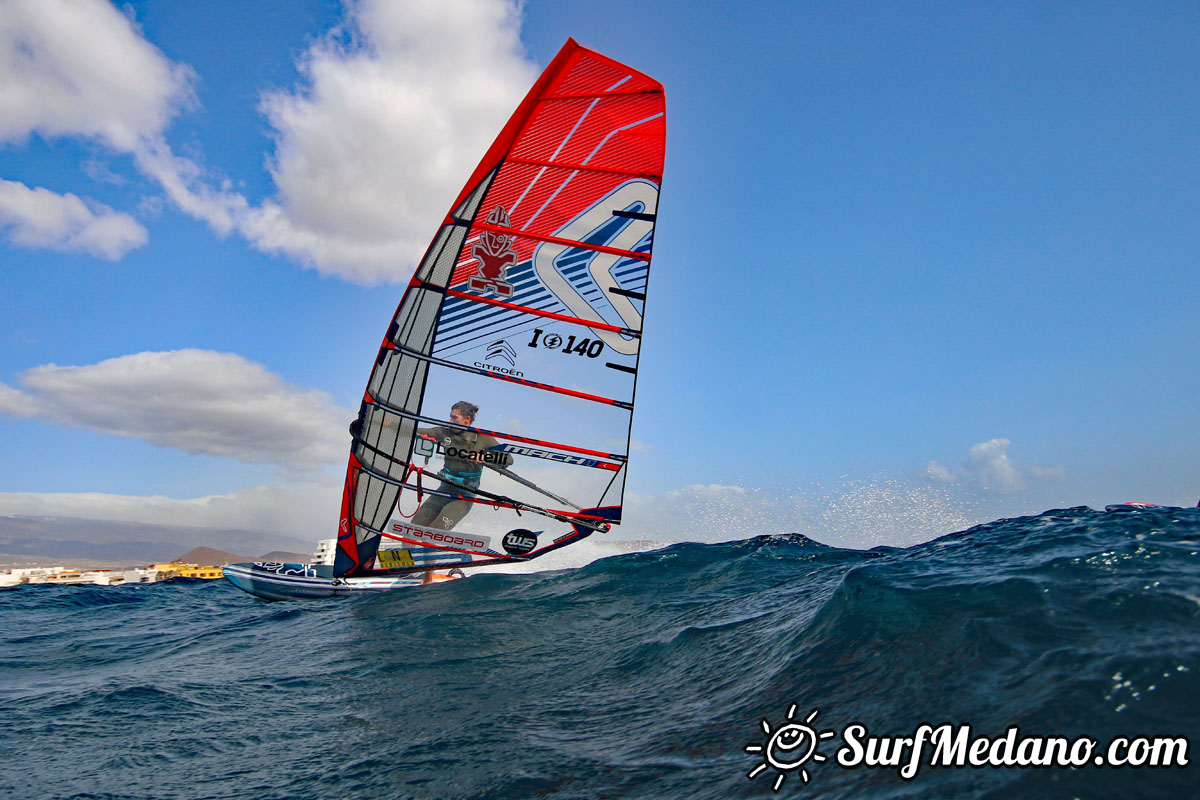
199, 401
308, 510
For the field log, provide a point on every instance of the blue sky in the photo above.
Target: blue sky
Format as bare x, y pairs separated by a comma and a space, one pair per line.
917, 265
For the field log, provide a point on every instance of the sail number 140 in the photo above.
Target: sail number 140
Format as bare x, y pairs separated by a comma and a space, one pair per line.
584, 347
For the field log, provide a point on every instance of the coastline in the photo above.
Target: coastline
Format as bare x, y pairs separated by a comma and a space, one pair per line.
201, 562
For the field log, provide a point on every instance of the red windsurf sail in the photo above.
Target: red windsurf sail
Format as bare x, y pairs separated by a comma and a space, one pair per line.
526, 311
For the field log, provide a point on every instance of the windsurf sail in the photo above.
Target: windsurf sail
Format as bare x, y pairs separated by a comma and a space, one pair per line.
528, 305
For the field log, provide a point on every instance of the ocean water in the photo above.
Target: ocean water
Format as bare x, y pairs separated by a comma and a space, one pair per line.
640, 675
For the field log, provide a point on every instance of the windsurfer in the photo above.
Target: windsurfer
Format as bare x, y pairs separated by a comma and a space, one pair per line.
464, 454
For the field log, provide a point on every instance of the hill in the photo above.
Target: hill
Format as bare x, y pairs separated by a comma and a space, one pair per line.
209, 557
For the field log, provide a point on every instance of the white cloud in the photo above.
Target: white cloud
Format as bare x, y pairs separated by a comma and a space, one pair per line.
40, 218
199, 401
370, 152
81, 68
934, 471
15, 403
183, 181
989, 468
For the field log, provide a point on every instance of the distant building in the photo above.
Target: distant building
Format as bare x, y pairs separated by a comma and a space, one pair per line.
205, 573
71, 577
326, 549
16, 577
106, 577
178, 569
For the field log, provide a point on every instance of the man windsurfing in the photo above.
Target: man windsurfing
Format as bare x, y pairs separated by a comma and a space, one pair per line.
464, 454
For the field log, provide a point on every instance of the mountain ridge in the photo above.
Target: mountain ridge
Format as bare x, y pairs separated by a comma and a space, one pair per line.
33, 541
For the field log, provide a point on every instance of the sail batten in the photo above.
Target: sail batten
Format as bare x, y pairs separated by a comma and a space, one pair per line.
579, 167
513, 379
539, 312
587, 246
502, 435
590, 95
508, 373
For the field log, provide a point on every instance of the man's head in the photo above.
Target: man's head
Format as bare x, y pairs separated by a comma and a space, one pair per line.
463, 413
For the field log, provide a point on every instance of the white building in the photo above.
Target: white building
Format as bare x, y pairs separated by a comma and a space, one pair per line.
75, 577
326, 549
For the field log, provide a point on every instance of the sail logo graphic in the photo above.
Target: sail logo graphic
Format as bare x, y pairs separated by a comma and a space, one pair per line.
395, 558
519, 542
303, 570
949, 746
562, 458
621, 221
788, 747
495, 254
501, 350
427, 447
439, 537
